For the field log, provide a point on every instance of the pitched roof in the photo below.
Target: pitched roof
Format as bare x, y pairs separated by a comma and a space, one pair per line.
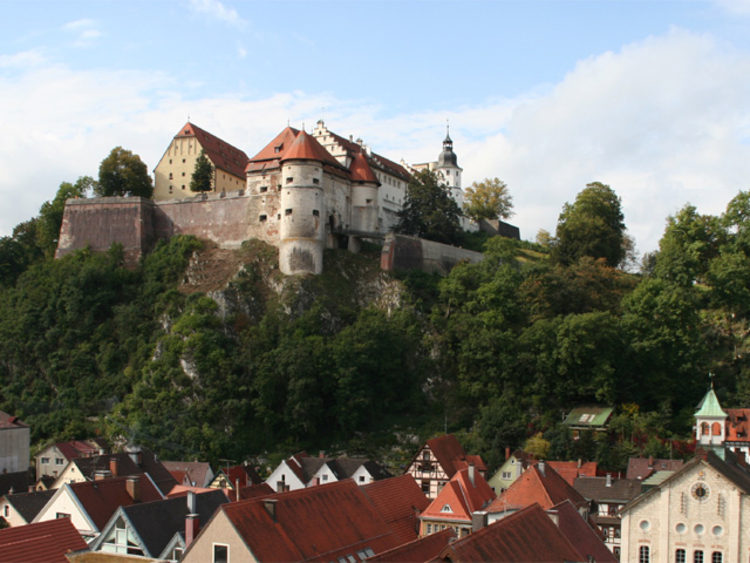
528, 535
584, 538
460, 498
16, 482
644, 467
619, 490
128, 464
195, 471
221, 154
374, 159
270, 155
101, 498
76, 448
361, 171
29, 505
255, 491
306, 147
44, 542
398, 500
449, 453
590, 416
738, 424
426, 548
156, 523
571, 470
313, 524
10, 421
536, 485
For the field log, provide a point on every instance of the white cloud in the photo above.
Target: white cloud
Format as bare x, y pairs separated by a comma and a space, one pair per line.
664, 121
737, 7
218, 11
85, 29
22, 60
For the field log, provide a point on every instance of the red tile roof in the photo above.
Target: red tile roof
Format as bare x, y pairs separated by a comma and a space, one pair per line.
570, 470
101, 498
10, 421
587, 541
462, 496
255, 491
315, 524
426, 548
223, 155
525, 536
361, 171
546, 488
398, 500
644, 467
451, 455
306, 147
738, 424
276, 149
377, 160
75, 449
195, 471
44, 542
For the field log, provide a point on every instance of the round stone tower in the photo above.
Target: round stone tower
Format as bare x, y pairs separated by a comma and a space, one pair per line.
364, 195
449, 170
302, 230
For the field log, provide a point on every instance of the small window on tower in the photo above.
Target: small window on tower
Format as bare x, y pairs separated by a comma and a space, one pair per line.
316, 181
316, 213
289, 180
369, 201
263, 218
263, 189
287, 212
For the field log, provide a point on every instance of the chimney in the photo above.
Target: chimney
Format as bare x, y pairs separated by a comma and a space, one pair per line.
270, 506
507, 453
136, 457
471, 473
316, 481
101, 474
541, 467
237, 489
609, 479
650, 461
133, 486
113, 466
192, 527
191, 503
478, 521
322, 454
579, 463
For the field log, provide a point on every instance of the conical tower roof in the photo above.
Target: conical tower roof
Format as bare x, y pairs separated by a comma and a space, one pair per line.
710, 406
361, 171
306, 147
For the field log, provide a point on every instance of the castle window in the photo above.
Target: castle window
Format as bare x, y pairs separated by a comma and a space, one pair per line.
368, 201
289, 180
278, 216
183, 174
170, 161
183, 161
316, 213
170, 189
262, 218
170, 175
263, 189
278, 187
183, 186
316, 181
287, 212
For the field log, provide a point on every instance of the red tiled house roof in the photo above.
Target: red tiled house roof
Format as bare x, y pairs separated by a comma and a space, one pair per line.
377, 160
426, 548
101, 498
221, 154
255, 491
306, 147
525, 536
44, 542
570, 470
738, 424
361, 171
10, 421
270, 155
539, 484
587, 541
188, 471
450, 455
644, 467
399, 500
314, 524
462, 497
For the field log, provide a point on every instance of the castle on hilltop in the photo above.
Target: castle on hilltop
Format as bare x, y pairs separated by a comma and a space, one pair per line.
301, 193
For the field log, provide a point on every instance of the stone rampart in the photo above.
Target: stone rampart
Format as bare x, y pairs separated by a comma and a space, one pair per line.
402, 252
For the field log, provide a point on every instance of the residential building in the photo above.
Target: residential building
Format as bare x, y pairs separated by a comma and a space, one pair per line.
607, 496
302, 470
438, 460
588, 417
14, 444
540, 485
514, 465
46, 542
174, 172
466, 493
334, 522
572, 470
642, 468
52, 460
160, 529
698, 514
399, 501
235, 477
90, 504
190, 473
21, 508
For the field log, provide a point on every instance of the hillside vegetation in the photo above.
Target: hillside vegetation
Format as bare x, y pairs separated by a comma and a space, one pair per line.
213, 354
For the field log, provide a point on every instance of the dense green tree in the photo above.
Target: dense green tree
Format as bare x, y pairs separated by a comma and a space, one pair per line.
429, 211
123, 173
488, 199
592, 226
203, 174
51, 213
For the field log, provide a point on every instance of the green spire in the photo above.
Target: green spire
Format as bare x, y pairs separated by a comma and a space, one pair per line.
709, 406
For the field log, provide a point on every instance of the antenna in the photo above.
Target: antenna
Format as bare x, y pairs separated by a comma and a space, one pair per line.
188, 118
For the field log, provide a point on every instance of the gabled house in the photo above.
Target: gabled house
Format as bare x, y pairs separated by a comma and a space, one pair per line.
20, 509
399, 501
302, 470
607, 496
540, 485
46, 542
90, 504
466, 493
571, 470
515, 463
334, 522
588, 417
117, 465
641, 468
526, 536
14, 444
52, 460
585, 537
438, 460
160, 529
697, 514
190, 473
231, 478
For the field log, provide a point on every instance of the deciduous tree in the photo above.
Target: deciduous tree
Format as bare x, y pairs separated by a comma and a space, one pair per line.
488, 199
123, 173
429, 211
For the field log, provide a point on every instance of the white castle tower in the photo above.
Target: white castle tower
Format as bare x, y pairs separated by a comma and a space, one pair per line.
449, 171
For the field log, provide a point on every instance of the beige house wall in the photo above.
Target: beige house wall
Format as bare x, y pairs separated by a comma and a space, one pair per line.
10, 514
55, 462
65, 503
431, 480
175, 170
719, 524
218, 531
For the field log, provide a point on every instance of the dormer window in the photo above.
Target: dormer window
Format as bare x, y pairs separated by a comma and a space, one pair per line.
278, 148
447, 508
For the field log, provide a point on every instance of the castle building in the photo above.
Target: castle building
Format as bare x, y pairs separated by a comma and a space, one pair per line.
174, 172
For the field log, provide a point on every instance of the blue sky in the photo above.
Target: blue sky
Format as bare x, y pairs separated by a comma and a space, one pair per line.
650, 97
